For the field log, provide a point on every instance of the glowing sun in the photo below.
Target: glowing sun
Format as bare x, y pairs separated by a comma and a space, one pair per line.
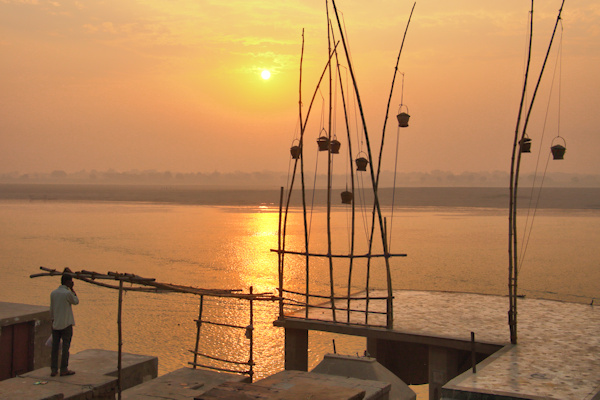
265, 74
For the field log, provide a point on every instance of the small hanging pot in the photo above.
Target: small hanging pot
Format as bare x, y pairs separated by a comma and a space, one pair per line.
558, 150
334, 146
525, 144
361, 163
403, 117
295, 151
323, 141
347, 197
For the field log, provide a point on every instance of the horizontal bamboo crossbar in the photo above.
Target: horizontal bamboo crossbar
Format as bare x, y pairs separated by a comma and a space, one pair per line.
335, 298
221, 359
220, 324
302, 253
150, 285
336, 309
235, 371
337, 322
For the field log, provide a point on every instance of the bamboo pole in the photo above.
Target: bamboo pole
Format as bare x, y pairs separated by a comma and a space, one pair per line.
198, 327
371, 170
251, 333
353, 212
329, 161
120, 341
280, 256
514, 183
389, 277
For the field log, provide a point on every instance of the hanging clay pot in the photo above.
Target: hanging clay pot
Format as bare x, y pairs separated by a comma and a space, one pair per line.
295, 151
323, 143
361, 164
347, 197
558, 150
335, 146
403, 117
525, 144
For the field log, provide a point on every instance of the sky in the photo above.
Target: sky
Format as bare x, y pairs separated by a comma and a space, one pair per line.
176, 85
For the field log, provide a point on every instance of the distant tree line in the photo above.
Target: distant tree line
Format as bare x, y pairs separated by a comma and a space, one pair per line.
270, 179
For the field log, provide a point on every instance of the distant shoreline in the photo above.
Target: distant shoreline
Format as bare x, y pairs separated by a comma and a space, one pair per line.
478, 197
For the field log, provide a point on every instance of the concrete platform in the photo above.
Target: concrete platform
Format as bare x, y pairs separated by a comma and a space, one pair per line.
181, 384
95, 377
135, 368
364, 368
297, 385
557, 355
38, 385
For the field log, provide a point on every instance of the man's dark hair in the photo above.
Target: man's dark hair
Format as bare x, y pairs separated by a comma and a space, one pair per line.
65, 278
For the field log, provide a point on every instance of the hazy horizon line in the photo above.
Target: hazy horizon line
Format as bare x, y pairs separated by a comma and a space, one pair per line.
264, 179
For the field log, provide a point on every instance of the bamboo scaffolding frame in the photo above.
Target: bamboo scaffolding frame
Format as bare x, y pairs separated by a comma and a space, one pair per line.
162, 288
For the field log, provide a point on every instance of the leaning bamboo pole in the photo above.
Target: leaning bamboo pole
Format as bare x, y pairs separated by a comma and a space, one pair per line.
371, 170
353, 205
329, 161
514, 183
389, 277
289, 197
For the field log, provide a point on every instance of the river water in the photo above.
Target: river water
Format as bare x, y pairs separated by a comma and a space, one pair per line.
450, 245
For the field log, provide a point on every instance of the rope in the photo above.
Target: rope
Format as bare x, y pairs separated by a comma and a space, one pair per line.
312, 201
394, 189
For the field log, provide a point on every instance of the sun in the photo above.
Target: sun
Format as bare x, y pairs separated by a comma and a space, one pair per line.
265, 74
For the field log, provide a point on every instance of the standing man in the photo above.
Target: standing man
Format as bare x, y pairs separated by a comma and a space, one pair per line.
61, 314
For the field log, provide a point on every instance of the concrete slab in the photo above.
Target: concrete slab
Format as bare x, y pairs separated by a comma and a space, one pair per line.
557, 355
135, 368
37, 385
14, 313
181, 384
310, 390
301, 381
364, 368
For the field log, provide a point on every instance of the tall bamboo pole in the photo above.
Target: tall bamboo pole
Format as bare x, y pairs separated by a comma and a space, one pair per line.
329, 160
120, 340
302, 130
389, 323
280, 256
389, 277
353, 212
513, 256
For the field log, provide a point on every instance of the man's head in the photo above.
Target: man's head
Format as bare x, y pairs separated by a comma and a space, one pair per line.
66, 279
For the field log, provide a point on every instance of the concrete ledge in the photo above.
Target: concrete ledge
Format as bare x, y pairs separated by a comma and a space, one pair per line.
39, 319
135, 368
95, 378
38, 385
181, 384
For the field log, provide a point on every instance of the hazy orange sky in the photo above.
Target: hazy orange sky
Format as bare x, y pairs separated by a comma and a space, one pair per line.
176, 85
